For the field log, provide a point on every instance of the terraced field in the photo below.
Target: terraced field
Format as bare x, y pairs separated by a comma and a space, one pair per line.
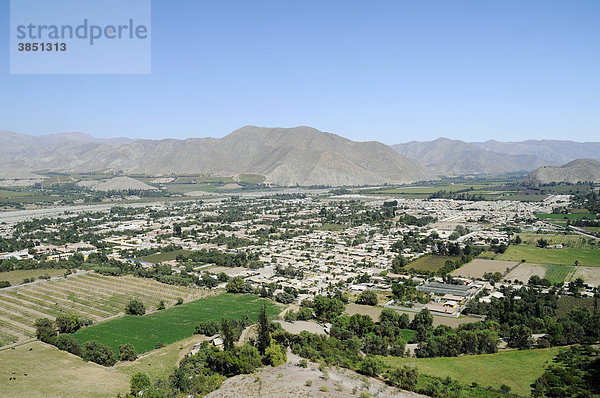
90, 296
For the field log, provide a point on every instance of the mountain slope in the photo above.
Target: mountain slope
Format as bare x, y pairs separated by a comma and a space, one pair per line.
553, 151
579, 170
300, 155
453, 157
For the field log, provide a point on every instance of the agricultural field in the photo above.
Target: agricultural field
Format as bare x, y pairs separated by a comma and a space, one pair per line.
525, 271
12, 194
16, 277
572, 241
565, 256
429, 263
591, 275
567, 304
577, 216
251, 178
54, 373
160, 363
517, 369
164, 256
90, 296
478, 267
175, 323
559, 273
374, 312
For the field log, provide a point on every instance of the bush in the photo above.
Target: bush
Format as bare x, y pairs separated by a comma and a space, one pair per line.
139, 382
274, 355
67, 323
44, 331
127, 352
161, 305
99, 353
284, 298
208, 328
370, 366
367, 298
404, 377
179, 301
66, 342
4, 284
135, 307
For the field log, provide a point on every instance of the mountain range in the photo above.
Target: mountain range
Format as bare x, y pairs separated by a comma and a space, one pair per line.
284, 156
579, 170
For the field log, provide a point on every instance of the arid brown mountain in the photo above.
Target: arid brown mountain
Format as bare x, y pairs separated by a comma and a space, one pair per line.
285, 156
553, 151
453, 157
579, 170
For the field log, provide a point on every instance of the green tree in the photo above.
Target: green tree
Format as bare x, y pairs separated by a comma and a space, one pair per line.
367, 298
67, 323
139, 382
264, 335
127, 352
370, 366
405, 377
274, 355
66, 342
99, 353
135, 307
44, 330
235, 285
161, 305
228, 337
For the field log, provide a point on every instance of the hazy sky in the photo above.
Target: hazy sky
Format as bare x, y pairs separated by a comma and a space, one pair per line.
368, 70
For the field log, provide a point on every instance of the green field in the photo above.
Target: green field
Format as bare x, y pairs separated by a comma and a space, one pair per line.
574, 241
429, 263
55, 373
577, 216
12, 194
252, 178
565, 256
160, 363
173, 324
16, 277
517, 369
165, 256
559, 273
332, 227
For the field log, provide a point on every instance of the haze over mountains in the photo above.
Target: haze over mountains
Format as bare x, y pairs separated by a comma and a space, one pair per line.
300, 155
285, 156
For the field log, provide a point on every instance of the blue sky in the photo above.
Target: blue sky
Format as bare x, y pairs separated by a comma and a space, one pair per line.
391, 71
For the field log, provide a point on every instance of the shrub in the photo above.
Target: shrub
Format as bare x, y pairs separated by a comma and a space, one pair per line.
179, 301
66, 342
127, 352
99, 353
161, 305
367, 298
274, 355
67, 323
139, 382
208, 328
135, 307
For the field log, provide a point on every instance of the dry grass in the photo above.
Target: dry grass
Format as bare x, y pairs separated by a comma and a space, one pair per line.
55, 373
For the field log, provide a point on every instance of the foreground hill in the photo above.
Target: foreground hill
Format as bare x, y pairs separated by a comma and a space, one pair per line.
454, 157
579, 170
285, 156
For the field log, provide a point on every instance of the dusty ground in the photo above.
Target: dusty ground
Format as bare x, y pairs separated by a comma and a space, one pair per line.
374, 312
525, 271
290, 380
298, 326
591, 275
478, 267
55, 373
228, 271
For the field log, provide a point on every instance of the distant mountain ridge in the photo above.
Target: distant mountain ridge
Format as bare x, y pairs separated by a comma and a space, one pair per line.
285, 156
553, 151
454, 157
579, 170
